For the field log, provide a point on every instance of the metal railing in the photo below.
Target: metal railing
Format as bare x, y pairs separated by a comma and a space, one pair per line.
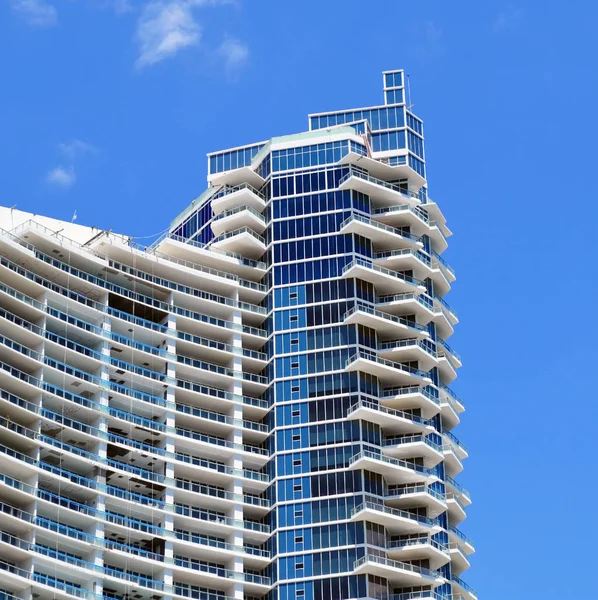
360, 262
387, 363
385, 184
366, 308
381, 226
396, 462
395, 564
393, 512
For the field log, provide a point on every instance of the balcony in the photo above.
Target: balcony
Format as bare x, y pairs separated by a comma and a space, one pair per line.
243, 241
440, 304
417, 495
422, 351
237, 218
420, 305
456, 443
417, 549
408, 446
387, 372
387, 326
417, 261
393, 470
450, 353
398, 573
380, 191
383, 236
452, 462
416, 217
395, 521
410, 398
459, 560
237, 177
458, 537
381, 167
389, 419
460, 587
177, 247
456, 509
241, 195
457, 489
451, 407
437, 237
385, 280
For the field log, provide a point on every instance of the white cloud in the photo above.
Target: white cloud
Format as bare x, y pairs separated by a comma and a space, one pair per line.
76, 148
164, 28
62, 176
234, 52
38, 13
167, 26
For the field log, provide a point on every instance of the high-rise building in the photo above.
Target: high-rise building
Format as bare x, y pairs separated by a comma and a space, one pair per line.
257, 405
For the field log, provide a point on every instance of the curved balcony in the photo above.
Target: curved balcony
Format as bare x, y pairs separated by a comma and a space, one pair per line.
419, 548
422, 351
444, 266
440, 304
437, 237
456, 488
459, 560
398, 573
395, 521
229, 197
446, 370
384, 237
458, 537
451, 406
409, 303
380, 191
395, 421
385, 280
459, 447
417, 495
393, 470
462, 588
387, 372
452, 462
178, 247
386, 325
456, 509
237, 177
238, 217
411, 397
408, 446
417, 261
401, 215
450, 353
243, 241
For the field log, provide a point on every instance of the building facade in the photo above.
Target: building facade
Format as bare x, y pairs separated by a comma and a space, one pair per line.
256, 406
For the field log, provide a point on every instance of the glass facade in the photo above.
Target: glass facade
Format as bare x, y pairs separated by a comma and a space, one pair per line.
264, 406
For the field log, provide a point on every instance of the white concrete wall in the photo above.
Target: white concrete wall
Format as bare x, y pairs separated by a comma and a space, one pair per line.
12, 217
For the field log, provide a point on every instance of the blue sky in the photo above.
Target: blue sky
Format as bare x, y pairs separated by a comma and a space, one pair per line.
108, 107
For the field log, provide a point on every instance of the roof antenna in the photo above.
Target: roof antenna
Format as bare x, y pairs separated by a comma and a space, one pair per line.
409, 105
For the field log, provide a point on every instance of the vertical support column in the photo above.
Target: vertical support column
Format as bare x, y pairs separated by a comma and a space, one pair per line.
238, 516
102, 450
170, 447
